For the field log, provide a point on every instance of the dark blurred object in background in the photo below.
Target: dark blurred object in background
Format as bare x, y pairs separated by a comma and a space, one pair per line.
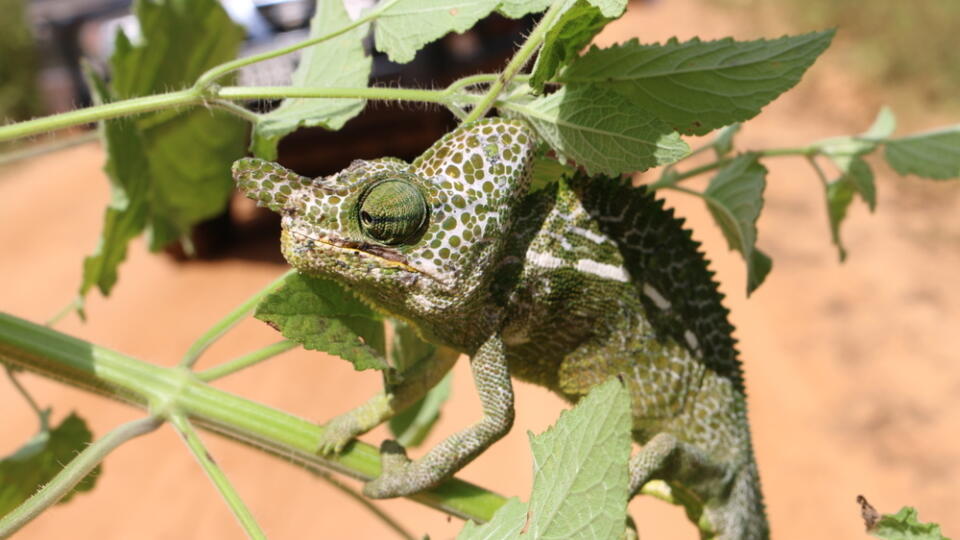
18, 64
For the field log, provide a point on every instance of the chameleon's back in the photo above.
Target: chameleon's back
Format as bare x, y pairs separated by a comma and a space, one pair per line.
622, 289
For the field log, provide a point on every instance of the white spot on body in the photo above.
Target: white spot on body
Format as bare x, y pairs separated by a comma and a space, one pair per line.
544, 260
691, 339
589, 235
655, 295
603, 270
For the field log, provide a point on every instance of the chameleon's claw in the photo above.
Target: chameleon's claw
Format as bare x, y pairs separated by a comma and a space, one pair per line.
395, 478
336, 434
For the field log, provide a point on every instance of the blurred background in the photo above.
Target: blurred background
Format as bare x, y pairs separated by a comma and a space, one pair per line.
852, 370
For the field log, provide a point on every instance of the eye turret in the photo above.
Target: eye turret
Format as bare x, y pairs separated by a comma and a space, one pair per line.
393, 212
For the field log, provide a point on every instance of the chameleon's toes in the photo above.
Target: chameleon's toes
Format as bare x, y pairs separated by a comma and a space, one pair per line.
395, 473
336, 435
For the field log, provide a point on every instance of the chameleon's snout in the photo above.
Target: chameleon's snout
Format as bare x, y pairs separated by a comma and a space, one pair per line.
266, 182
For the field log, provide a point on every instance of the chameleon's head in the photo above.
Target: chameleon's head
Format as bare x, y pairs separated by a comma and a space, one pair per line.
413, 237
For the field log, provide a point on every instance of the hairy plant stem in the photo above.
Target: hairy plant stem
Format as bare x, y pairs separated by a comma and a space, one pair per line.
216, 475
669, 178
215, 96
73, 473
520, 59
229, 321
79, 363
247, 360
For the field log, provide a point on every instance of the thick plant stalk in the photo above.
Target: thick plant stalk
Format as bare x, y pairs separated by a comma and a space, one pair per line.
79, 363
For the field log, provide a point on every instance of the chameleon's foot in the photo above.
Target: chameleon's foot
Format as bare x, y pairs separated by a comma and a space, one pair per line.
337, 433
397, 474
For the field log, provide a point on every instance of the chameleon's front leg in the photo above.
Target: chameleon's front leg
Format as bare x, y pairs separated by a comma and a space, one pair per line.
400, 476
416, 381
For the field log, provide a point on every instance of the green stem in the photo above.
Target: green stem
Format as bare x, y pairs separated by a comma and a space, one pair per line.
669, 178
236, 110
820, 174
366, 503
73, 473
246, 361
56, 355
230, 495
520, 59
41, 414
229, 321
373, 92
106, 111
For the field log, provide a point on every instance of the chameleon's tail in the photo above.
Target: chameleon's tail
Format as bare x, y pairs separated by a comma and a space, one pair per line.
742, 515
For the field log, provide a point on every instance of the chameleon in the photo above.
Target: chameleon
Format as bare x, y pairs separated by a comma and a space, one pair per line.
563, 286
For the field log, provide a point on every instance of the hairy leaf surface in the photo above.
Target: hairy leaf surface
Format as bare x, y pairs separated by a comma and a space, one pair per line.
40, 459
905, 525
935, 154
734, 198
580, 475
170, 169
405, 26
322, 316
573, 30
599, 130
339, 62
698, 86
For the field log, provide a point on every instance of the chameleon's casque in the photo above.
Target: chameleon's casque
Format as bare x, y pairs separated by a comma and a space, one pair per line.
564, 287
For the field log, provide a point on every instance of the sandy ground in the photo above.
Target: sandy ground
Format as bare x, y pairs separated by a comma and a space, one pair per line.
852, 372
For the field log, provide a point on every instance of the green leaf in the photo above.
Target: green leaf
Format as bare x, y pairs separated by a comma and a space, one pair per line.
170, 169
323, 316
883, 126
698, 86
934, 154
507, 523
723, 142
599, 130
839, 196
338, 62
126, 216
580, 468
518, 8
40, 459
735, 198
412, 426
580, 475
547, 171
905, 525
572, 31
404, 26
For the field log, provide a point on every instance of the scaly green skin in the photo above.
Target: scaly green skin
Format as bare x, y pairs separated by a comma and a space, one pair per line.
564, 287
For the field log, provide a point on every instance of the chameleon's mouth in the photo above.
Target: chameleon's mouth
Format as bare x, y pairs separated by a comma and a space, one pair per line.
384, 255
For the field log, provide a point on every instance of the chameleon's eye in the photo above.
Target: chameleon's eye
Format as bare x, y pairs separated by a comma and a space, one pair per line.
393, 212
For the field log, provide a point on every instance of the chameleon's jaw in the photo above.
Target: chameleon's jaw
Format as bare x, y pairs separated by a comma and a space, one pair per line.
323, 250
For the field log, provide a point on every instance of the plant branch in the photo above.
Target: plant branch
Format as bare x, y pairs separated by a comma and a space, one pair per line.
73, 473
96, 113
56, 355
246, 360
229, 321
520, 59
230, 495
669, 178
41, 414
369, 505
372, 92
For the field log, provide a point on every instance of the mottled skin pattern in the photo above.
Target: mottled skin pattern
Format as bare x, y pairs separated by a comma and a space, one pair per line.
564, 287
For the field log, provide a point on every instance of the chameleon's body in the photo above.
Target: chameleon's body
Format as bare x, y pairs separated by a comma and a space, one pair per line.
564, 287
